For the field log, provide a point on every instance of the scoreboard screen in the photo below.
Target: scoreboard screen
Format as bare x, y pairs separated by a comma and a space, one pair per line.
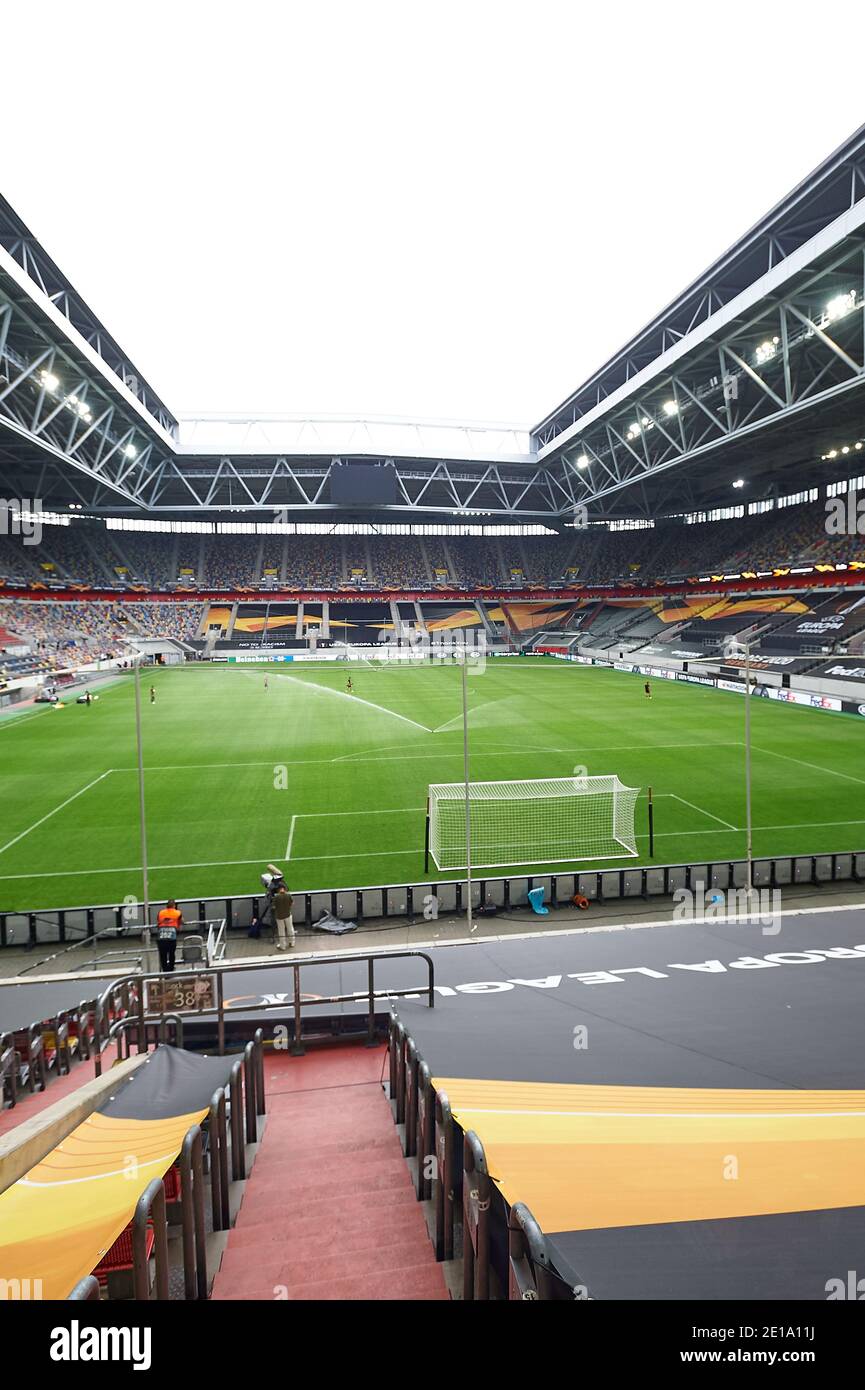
363, 485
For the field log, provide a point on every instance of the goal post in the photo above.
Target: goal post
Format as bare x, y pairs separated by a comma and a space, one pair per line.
550, 820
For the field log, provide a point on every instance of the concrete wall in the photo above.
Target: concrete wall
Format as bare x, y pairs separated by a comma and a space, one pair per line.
29, 1142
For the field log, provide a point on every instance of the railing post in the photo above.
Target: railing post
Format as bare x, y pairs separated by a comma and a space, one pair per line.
400, 1073
370, 1027
151, 1201
476, 1212
238, 1155
142, 1023
249, 1069
530, 1274
258, 1043
97, 1040
425, 1131
391, 1052
411, 1064
444, 1197
86, 1290
297, 1048
220, 1016
192, 1205
219, 1163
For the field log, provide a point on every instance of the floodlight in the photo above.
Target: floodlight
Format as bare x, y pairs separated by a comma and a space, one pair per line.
840, 305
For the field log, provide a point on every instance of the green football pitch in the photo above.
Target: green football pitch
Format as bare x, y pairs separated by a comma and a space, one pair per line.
333, 787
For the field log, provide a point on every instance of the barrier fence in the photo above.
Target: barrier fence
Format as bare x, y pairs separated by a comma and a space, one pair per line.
503, 1250
426, 899
128, 1008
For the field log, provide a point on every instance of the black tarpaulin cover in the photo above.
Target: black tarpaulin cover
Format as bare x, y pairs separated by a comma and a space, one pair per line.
171, 1082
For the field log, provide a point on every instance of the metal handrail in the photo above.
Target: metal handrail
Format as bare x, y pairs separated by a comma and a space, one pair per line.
444, 1194
150, 1206
218, 1162
156, 1028
238, 1145
391, 1057
192, 1206
215, 945
250, 1084
428, 1116
98, 961
258, 1044
411, 1068
425, 1131
477, 1194
400, 1073
530, 1271
221, 1010
86, 1290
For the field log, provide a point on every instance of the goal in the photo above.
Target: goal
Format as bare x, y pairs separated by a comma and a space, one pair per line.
544, 821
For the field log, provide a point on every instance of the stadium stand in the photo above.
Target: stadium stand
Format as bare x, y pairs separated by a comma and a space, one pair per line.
70, 632
89, 554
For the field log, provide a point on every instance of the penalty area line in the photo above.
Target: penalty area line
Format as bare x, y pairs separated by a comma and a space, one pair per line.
49, 814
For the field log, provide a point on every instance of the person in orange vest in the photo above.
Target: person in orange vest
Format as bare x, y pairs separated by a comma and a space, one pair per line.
167, 924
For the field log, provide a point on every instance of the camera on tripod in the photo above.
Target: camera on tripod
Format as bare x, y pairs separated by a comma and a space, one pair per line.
272, 881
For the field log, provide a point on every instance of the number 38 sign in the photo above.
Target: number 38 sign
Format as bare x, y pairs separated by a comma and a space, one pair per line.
183, 994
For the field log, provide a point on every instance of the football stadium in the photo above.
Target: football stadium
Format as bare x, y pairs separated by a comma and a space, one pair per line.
329, 745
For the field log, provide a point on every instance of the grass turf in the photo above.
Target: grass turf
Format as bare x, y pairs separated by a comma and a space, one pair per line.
333, 788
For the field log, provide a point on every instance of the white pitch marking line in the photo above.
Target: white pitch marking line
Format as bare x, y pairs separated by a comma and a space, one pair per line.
815, 767
525, 749
290, 837
701, 812
343, 695
44, 818
402, 853
393, 811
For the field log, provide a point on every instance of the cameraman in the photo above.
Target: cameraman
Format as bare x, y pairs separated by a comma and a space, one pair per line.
282, 911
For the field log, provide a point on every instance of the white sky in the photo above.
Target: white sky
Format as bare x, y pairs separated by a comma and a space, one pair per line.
448, 211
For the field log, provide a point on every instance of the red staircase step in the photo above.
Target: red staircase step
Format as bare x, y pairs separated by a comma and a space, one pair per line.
306, 1234
283, 1267
336, 1209
329, 1210
425, 1283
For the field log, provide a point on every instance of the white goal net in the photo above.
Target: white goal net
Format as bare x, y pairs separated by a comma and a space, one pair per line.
544, 821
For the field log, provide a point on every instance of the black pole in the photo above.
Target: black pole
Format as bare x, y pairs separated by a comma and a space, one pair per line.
426, 841
651, 826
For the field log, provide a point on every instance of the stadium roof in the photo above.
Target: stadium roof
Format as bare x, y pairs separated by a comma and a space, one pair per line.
752, 374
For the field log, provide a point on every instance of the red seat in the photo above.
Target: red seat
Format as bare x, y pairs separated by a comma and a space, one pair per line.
120, 1255
171, 1182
